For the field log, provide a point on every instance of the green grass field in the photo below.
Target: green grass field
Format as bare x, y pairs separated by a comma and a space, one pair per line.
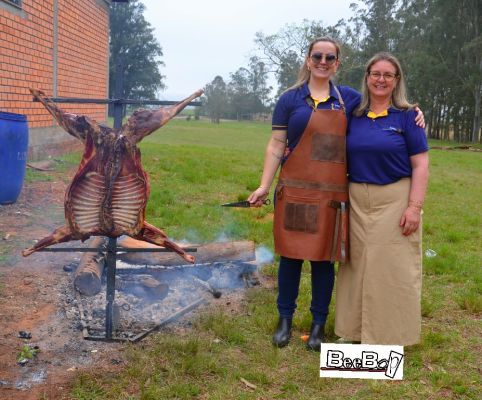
194, 167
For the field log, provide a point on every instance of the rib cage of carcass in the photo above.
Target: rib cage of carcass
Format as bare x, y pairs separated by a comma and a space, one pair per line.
109, 192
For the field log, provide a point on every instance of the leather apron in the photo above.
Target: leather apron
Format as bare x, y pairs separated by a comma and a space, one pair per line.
310, 221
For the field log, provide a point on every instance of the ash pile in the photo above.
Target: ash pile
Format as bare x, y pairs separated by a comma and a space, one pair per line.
153, 289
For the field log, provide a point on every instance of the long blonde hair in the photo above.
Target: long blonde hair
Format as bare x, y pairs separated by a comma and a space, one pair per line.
304, 73
399, 94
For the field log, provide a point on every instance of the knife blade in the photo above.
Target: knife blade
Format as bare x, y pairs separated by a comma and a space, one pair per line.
244, 204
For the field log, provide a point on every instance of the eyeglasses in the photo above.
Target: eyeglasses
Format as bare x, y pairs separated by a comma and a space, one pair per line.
330, 58
377, 75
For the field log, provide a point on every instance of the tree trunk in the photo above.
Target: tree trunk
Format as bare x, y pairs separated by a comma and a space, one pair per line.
437, 120
431, 122
476, 126
478, 86
456, 125
446, 123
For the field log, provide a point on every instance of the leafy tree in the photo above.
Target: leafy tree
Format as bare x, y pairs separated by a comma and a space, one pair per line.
289, 44
441, 45
381, 26
288, 71
248, 90
438, 42
259, 85
132, 41
216, 104
239, 94
284, 51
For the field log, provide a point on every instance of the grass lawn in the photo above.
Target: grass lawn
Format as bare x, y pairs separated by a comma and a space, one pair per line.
194, 167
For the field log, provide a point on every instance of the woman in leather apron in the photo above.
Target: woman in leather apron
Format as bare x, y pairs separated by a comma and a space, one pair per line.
308, 140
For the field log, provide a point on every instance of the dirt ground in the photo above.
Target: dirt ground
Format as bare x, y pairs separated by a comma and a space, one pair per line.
34, 299
31, 301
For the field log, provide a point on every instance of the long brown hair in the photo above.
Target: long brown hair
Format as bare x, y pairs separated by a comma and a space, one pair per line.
304, 73
399, 94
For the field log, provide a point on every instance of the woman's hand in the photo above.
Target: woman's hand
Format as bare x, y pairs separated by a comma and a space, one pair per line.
410, 220
419, 118
258, 196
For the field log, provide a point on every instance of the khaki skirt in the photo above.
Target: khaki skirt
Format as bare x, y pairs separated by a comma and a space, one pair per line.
378, 293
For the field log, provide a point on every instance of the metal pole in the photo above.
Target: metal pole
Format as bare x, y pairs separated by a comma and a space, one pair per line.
111, 269
77, 100
119, 93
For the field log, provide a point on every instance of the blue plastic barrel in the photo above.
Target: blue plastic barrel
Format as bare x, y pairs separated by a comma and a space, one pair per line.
13, 155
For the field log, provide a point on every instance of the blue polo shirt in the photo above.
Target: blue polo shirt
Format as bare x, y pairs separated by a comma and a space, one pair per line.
292, 112
379, 149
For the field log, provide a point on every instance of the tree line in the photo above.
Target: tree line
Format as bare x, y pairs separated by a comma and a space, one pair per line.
437, 41
245, 94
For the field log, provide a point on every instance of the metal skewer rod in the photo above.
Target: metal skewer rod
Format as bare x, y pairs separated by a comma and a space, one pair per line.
111, 267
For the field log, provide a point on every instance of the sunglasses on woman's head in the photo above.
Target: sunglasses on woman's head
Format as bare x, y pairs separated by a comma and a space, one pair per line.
330, 58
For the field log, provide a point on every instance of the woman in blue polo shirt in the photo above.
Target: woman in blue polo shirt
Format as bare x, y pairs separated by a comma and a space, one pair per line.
308, 140
378, 292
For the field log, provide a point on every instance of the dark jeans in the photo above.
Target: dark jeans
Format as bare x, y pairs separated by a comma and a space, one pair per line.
322, 281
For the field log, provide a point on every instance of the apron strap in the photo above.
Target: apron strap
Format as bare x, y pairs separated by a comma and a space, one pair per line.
311, 102
340, 99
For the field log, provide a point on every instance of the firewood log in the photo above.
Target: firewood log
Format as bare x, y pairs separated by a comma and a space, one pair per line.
206, 253
88, 275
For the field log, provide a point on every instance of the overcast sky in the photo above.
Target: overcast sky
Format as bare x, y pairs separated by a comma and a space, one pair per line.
204, 38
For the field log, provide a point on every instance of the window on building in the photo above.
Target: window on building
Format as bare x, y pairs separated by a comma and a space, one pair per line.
17, 3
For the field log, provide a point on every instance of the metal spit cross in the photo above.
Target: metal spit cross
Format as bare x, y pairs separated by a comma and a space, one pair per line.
111, 252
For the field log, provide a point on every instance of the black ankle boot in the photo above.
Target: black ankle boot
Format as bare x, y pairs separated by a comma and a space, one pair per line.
317, 336
283, 332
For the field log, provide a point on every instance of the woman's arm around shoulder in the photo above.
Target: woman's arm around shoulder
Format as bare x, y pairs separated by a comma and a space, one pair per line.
415, 137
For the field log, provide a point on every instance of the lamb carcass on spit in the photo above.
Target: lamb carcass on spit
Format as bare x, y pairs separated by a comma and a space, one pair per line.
109, 192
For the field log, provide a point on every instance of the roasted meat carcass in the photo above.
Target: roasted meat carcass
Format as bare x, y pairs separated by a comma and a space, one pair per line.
109, 192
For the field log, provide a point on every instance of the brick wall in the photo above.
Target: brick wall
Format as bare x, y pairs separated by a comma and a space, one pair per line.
61, 47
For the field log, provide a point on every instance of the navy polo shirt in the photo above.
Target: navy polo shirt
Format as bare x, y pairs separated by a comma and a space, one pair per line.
292, 112
379, 149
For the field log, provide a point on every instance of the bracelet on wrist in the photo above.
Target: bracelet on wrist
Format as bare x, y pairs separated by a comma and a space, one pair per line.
415, 203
